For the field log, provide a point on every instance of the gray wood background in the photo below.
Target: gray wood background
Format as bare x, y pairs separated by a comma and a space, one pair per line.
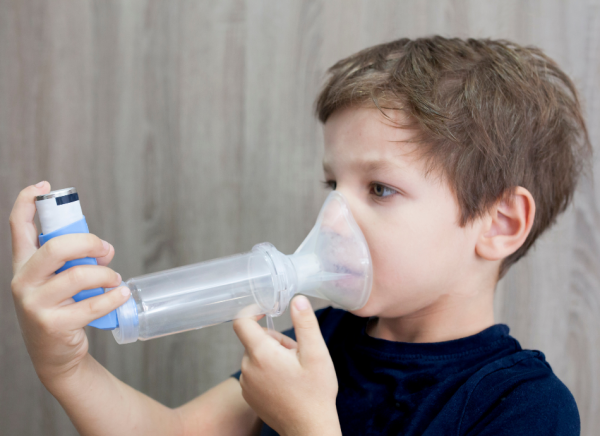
187, 128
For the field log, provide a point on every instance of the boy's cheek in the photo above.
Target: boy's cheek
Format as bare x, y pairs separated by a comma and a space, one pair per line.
404, 282
412, 260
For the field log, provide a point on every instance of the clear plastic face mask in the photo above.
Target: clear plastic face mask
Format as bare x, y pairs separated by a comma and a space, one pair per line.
332, 263
339, 248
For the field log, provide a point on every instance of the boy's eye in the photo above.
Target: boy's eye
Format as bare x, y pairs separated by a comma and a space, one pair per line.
382, 191
378, 189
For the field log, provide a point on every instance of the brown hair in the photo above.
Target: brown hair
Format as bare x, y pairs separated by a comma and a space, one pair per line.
492, 115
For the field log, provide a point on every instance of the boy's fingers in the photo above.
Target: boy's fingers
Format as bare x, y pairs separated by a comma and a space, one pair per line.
311, 345
23, 230
284, 340
54, 253
249, 332
105, 260
82, 313
74, 280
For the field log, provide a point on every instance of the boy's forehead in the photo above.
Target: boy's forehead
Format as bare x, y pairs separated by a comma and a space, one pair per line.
363, 139
363, 162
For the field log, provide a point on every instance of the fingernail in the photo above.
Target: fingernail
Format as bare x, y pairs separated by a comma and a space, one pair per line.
301, 302
120, 279
40, 184
125, 291
106, 245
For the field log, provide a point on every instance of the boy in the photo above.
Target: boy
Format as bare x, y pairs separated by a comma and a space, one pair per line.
454, 157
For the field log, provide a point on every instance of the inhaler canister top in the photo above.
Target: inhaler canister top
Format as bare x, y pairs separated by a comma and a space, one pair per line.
53, 217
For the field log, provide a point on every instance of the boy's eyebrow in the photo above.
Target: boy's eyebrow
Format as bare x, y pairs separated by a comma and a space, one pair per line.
367, 166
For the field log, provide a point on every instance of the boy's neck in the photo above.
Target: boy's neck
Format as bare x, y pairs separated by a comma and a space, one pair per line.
451, 317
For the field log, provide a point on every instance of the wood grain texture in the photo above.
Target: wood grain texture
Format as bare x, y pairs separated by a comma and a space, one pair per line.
187, 128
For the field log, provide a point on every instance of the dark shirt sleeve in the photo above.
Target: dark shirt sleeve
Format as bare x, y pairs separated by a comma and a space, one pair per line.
320, 314
538, 405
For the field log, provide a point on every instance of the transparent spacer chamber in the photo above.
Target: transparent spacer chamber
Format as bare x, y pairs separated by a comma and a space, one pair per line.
332, 263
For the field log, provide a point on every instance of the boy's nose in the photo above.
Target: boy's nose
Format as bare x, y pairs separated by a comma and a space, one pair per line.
335, 216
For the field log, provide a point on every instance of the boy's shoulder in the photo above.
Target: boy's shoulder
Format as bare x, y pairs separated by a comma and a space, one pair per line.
516, 390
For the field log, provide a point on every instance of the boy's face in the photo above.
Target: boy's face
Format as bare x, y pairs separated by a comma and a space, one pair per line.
421, 255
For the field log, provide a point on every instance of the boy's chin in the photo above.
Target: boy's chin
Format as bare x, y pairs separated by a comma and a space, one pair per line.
366, 311
373, 308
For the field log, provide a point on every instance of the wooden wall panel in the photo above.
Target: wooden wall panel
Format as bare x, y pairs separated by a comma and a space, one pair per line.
187, 128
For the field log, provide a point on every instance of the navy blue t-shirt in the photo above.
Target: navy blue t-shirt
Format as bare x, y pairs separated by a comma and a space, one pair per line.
484, 384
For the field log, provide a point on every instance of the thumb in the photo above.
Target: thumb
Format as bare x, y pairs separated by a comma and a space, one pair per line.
311, 345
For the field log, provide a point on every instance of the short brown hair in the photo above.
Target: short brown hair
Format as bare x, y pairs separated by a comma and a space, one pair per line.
492, 115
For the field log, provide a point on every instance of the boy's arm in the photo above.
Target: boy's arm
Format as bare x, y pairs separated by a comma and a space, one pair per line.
228, 411
52, 326
100, 404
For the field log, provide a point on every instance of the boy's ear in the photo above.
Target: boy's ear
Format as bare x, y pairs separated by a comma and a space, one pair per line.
507, 225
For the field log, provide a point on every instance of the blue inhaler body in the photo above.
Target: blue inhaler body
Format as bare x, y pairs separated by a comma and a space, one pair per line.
60, 214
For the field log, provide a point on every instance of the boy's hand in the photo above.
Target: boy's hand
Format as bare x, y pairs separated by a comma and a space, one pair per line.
50, 320
292, 386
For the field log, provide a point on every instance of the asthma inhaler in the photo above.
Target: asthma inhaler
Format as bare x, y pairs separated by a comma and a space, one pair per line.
60, 214
332, 263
